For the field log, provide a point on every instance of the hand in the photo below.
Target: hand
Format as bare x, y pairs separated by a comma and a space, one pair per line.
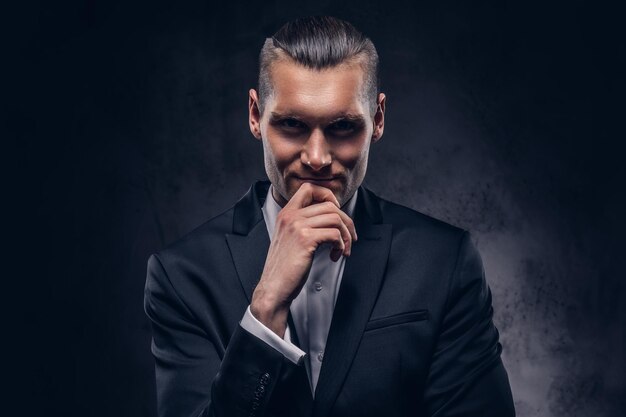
312, 217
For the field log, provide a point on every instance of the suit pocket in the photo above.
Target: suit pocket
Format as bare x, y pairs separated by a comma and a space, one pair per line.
397, 319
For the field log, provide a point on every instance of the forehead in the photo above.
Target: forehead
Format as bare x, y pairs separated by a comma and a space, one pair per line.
317, 93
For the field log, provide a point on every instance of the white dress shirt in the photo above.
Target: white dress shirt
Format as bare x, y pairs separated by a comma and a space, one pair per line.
312, 309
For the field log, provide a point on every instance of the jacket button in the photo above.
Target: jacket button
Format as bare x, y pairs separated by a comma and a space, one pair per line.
265, 378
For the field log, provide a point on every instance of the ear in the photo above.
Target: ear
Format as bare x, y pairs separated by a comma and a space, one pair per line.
379, 118
254, 116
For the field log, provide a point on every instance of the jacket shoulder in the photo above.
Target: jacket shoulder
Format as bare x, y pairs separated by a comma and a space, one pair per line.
201, 241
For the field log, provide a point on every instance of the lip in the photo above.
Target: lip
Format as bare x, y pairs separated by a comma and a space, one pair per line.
319, 181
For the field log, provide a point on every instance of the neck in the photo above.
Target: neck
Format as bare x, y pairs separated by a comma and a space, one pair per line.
278, 198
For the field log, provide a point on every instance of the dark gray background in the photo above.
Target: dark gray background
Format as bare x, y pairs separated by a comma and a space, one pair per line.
128, 127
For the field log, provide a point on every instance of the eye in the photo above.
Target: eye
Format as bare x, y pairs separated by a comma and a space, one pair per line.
342, 127
291, 124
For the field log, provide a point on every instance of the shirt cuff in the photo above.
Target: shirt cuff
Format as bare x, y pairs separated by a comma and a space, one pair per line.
258, 329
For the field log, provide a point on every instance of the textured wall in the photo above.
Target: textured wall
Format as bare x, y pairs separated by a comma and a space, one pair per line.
130, 128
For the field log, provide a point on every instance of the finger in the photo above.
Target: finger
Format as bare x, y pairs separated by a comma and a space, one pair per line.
332, 220
332, 236
309, 193
327, 208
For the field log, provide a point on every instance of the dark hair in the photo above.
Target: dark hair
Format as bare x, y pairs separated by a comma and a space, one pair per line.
319, 42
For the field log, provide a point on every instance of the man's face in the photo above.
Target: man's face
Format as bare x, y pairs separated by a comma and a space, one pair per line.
316, 127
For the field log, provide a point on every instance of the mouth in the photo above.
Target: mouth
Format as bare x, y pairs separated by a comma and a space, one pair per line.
318, 181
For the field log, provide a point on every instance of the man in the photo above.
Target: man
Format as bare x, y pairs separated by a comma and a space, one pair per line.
312, 296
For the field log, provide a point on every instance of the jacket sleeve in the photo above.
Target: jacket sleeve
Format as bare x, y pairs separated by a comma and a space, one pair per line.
467, 377
195, 375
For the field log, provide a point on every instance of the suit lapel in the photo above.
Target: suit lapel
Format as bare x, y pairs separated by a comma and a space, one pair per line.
249, 254
249, 241
362, 277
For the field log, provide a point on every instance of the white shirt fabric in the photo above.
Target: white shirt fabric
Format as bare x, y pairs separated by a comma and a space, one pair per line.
312, 309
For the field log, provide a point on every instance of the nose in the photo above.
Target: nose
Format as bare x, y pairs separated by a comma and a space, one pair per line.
316, 152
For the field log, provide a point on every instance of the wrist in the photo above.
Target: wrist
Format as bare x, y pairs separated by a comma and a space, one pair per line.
272, 315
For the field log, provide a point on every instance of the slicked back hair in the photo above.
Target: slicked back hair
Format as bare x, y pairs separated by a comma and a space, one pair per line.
320, 42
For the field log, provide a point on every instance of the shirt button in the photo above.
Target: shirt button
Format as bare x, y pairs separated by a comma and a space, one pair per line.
318, 286
320, 356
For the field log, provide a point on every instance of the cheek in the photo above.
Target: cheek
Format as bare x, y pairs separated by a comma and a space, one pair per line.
351, 154
282, 152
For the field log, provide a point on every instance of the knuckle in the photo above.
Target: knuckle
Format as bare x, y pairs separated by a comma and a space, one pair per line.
282, 219
293, 226
303, 234
296, 227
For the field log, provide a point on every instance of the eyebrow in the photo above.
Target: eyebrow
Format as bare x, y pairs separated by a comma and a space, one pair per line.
355, 118
279, 116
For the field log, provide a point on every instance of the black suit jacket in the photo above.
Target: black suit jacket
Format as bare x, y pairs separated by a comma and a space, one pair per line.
411, 334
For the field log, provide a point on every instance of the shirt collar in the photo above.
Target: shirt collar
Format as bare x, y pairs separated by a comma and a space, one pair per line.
271, 209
